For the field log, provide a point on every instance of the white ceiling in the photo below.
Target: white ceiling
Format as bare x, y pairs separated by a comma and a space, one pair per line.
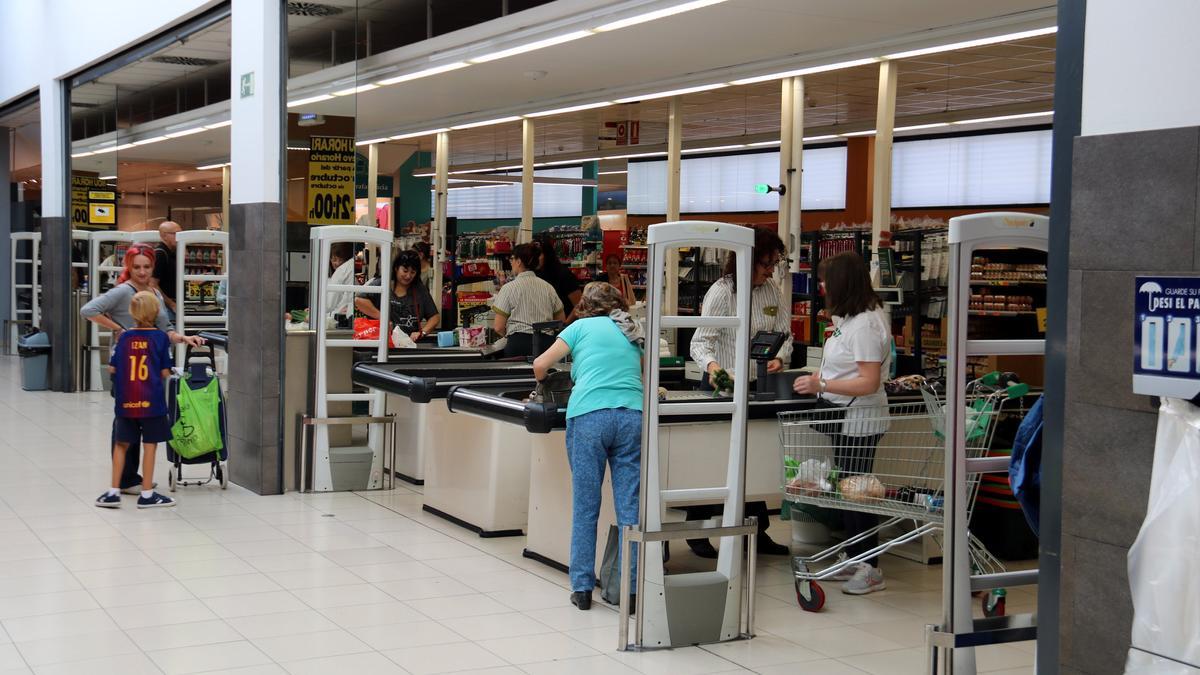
722, 36
725, 35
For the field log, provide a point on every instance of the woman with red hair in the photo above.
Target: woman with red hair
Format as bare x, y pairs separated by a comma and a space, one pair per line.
111, 311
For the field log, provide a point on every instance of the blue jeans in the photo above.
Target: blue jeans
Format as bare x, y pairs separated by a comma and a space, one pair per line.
612, 435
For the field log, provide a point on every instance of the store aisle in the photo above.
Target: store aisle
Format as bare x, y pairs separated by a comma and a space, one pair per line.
234, 582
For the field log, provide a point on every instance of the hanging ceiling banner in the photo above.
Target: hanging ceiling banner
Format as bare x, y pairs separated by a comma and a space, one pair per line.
331, 181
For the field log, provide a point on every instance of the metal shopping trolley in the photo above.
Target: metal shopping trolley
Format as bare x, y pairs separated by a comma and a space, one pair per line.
888, 460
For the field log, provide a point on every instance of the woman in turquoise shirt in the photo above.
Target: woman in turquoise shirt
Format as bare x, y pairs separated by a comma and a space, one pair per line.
604, 421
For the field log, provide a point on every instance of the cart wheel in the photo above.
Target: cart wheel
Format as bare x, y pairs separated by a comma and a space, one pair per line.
810, 595
221, 478
993, 603
171, 479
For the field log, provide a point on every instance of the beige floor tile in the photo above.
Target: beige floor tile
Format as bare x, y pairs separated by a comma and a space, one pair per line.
447, 658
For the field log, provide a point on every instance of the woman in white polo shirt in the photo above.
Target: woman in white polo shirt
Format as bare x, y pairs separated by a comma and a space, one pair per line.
524, 301
854, 361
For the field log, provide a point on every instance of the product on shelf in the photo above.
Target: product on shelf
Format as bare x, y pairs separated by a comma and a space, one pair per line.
983, 269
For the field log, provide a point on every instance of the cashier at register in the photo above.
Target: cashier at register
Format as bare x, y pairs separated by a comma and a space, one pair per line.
715, 348
410, 305
524, 301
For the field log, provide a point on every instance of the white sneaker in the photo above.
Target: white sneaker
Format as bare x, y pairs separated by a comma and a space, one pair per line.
866, 579
846, 574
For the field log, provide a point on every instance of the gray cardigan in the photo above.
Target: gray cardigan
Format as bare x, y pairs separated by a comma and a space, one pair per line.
115, 304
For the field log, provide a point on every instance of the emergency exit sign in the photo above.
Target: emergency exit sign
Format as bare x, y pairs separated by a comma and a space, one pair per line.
247, 87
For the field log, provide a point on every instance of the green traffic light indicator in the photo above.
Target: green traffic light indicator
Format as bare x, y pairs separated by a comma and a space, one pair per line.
762, 188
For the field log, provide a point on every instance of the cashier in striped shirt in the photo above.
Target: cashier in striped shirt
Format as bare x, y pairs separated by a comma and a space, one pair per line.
714, 349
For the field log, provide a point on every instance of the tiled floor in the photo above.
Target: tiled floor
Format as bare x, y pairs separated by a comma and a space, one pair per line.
345, 583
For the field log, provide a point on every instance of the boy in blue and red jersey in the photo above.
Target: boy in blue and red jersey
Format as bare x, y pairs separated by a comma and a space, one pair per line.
140, 364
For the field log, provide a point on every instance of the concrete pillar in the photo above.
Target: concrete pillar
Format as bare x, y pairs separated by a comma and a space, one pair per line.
525, 233
674, 155
437, 235
885, 121
58, 313
257, 244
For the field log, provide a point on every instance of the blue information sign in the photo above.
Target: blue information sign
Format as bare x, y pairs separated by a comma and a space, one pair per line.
1166, 336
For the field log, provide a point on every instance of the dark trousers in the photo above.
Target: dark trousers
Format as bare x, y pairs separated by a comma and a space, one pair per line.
521, 344
706, 511
133, 460
856, 455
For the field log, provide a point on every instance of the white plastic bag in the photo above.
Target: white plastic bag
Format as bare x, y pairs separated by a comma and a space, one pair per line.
812, 477
401, 340
1164, 561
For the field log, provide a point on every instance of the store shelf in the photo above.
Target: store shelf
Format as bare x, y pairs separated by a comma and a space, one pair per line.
981, 312
998, 282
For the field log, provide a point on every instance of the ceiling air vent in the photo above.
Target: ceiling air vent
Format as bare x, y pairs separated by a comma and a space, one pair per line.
183, 61
312, 9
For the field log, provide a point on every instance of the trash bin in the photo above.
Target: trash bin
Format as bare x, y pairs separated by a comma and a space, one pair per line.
34, 350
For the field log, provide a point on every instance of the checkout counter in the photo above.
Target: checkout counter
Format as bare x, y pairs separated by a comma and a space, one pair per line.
476, 469
695, 451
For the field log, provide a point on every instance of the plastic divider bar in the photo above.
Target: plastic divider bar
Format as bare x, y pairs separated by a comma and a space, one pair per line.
1006, 347
350, 342
348, 397
986, 582
352, 288
210, 320
698, 408
988, 464
205, 277
687, 494
678, 321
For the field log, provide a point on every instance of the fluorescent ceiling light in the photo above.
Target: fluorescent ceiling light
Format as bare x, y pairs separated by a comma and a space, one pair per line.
638, 154
218, 125
539, 44
826, 137
435, 70
974, 43
145, 141
564, 162
570, 109
423, 175
77, 155
185, 132
106, 150
475, 187
415, 134
311, 99
372, 141
356, 90
608, 173
107, 178
762, 144
868, 132
212, 166
673, 92
915, 127
657, 14
125, 146
811, 70
305, 148
713, 149
472, 125
1002, 118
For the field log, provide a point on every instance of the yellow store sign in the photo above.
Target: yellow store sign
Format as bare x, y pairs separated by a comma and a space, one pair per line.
331, 181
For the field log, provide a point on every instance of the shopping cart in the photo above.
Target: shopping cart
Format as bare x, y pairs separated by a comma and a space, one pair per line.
888, 460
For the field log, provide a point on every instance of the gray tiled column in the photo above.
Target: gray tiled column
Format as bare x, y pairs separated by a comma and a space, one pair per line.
1133, 211
256, 236
57, 308
256, 342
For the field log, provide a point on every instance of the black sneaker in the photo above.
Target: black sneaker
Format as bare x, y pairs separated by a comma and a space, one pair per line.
154, 500
107, 501
582, 599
